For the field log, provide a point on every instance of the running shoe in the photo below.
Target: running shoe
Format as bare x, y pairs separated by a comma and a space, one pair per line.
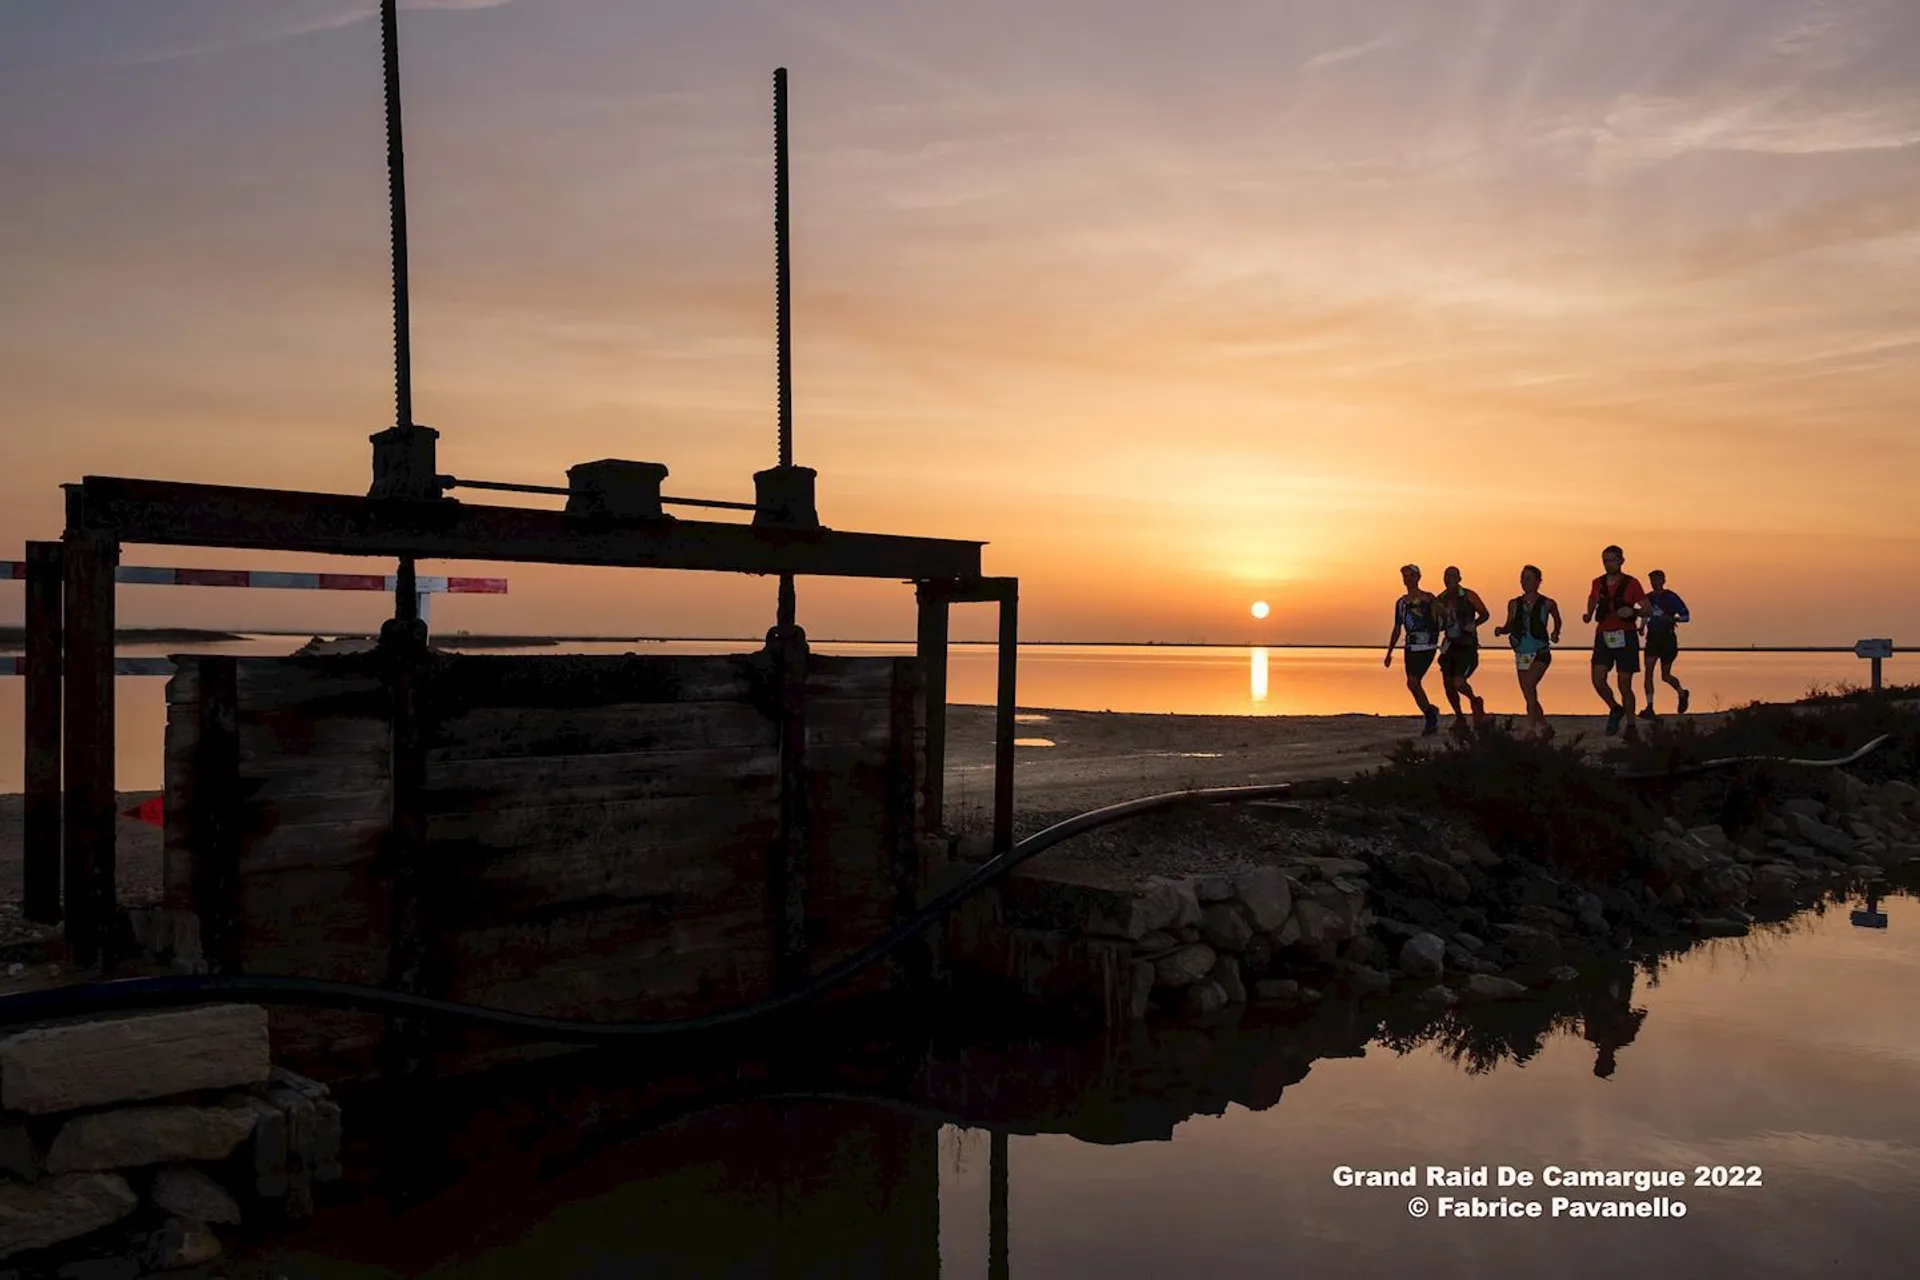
1684, 698
1613, 720
1479, 709
1433, 722
1648, 713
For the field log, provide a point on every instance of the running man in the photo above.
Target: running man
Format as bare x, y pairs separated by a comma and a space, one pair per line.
1418, 613
1665, 611
1615, 604
1528, 616
1461, 616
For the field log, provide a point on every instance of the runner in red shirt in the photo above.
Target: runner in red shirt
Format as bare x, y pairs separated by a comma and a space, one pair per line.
1616, 604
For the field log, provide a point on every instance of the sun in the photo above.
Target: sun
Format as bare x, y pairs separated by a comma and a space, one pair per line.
1260, 609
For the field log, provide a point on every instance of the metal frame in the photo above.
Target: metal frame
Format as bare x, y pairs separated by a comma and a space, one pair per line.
70, 665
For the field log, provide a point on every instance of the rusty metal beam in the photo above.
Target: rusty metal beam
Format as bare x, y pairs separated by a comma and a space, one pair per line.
932, 652
970, 589
87, 666
1003, 728
40, 828
170, 513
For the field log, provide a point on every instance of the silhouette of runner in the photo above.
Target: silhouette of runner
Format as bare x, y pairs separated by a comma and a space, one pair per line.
1665, 612
1461, 615
1527, 630
1418, 614
1615, 605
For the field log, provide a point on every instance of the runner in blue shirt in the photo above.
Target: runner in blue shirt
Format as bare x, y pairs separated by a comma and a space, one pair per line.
1665, 612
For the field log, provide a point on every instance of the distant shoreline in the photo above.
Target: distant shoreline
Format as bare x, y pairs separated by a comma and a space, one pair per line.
13, 637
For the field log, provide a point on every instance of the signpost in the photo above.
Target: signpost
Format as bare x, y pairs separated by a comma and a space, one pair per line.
1874, 650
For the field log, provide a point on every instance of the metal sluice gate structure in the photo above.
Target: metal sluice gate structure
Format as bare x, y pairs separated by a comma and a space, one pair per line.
614, 517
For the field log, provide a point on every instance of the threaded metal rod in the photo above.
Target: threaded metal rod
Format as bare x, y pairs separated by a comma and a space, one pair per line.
397, 213
782, 268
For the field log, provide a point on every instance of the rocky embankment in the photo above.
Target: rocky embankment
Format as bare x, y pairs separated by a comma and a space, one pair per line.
1445, 918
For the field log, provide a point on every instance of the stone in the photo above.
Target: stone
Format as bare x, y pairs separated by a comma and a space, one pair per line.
1366, 980
1827, 839
1157, 943
1204, 998
181, 1243
191, 1194
1287, 935
57, 1209
1319, 927
1159, 904
1208, 889
1438, 996
1862, 831
1482, 986
148, 1135
112, 1060
1348, 903
1776, 884
1563, 973
1333, 868
1187, 964
1429, 875
116, 1268
1139, 996
269, 1141
1714, 928
1898, 794
1224, 928
1189, 933
1267, 894
1468, 942
1801, 806
1395, 931
18, 1157
1550, 917
1277, 991
1423, 956
1257, 957
1529, 946
1712, 836
1226, 976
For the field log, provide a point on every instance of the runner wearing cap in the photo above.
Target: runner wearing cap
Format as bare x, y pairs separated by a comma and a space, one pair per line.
1417, 613
1615, 605
1461, 616
1665, 611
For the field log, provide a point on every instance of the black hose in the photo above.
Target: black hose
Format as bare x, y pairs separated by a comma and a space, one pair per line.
1708, 766
190, 989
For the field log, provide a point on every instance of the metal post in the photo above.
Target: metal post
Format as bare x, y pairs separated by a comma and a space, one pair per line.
997, 1261
933, 662
423, 608
40, 830
1876, 675
91, 897
1003, 730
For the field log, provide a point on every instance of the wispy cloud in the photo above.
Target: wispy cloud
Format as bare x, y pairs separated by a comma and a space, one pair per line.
1345, 53
304, 20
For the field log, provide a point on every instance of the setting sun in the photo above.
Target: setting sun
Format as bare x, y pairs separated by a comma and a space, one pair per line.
1260, 608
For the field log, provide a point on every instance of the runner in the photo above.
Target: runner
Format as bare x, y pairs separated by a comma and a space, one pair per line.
1461, 615
1417, 612
1616, 604
1527, 617
1665, 611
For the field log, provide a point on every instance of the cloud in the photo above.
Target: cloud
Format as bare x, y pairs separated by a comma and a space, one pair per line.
329, 17
1345, 53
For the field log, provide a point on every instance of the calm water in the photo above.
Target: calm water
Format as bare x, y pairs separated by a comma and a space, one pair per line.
1213, 681
1797, 1055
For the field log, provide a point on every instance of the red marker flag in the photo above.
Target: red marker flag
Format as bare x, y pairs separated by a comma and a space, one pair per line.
152, 812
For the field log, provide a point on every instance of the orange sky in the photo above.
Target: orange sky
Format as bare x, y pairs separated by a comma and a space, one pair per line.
1177, 307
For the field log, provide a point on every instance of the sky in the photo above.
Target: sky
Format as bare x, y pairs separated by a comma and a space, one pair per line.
1177, 307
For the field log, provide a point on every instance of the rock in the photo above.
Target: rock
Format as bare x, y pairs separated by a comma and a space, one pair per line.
191, 1194
1862, 831
1461, 960
1157, 943
1395, 931
1801, 806
1204, 998
1896, 794
1226, 976
1430, 875
1320, 930
148, 1135
1423, 956
1189, 933
57, 1209
1139, 995
1348, 904
18, 1158
1551, 917
1257, 957
1711, 837
1188, 964
120, 1267
1827, 839
1714, 928
1438, 997
1267, 895
1287, 935
1776, 884
1277, 991
1333, 868
1366, 980
1563, 973
108, 1060
1481, 986
1468, 942
1804, 854
181, 1243
1529, 946
1224, 928
269, 1141
1208, 889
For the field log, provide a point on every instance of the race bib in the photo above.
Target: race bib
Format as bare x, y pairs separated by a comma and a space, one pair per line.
1616, 639
1523, 660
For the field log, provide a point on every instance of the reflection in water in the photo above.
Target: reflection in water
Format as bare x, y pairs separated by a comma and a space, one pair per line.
1871, 917
1033, 742
1259, 663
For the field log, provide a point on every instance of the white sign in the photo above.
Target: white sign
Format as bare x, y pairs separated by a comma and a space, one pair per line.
1873, 649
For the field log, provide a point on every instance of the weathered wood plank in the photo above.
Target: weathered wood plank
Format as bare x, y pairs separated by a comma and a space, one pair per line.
515, 781
308, 845
87, 665
40, 817
213, 835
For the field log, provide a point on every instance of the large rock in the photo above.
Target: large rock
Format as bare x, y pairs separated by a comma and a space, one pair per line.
148, 1135
1226, 976
1776, 885
1367, 980
1268, 895
110, 1060
57, 1209
1277, 991
1423, 956
1212, 888
1319, 929
1896, 794
1159, 904
1348, 903
18, 1157
191, 1194
1257, 958
1432, 876
1438, 996
1530, 946
1204, 998
1139, 995
181, 1243
1190, 963
1830, 840
1482, 986
1224, 928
